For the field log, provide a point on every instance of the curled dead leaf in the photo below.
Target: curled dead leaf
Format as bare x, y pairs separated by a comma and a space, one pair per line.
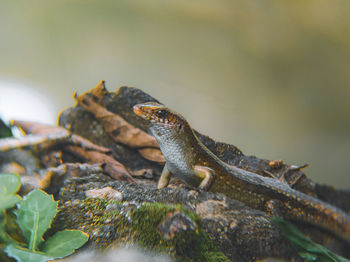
117, 128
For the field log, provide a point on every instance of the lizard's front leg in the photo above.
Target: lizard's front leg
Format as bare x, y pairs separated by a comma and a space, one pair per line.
164, 177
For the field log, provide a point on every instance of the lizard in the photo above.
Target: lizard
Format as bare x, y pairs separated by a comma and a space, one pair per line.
191, 161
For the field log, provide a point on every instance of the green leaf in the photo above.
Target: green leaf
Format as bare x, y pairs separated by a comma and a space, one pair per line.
64, 243
8, 201
308, 250
34, 216
25, 255
9, 185
5, 131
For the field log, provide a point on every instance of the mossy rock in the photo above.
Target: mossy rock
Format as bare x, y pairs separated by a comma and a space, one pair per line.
111, 224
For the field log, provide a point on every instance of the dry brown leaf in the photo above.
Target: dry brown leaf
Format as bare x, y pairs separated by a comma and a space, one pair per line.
145, 172
36, 142
118, 129
56, 175
99, 91
112, 167
152, 154
45, 136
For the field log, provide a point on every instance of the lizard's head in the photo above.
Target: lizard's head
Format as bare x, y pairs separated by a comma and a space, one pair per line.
159, 115
172, 132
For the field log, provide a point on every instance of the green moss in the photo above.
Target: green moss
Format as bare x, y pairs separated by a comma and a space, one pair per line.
128, 223
216, 256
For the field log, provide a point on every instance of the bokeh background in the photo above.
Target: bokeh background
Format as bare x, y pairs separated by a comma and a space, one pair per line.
270, 76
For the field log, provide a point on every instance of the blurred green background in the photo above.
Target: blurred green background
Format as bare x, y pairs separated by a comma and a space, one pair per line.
272, 77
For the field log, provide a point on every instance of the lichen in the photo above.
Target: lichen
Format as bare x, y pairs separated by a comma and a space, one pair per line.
113, 223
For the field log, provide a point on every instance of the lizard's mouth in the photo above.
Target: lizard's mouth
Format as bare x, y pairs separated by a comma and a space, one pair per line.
139, 111
146, 111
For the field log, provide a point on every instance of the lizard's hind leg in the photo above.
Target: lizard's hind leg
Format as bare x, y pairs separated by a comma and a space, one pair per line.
207, 174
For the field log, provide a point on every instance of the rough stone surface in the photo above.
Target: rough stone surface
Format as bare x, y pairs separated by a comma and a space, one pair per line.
241, 233
107, 193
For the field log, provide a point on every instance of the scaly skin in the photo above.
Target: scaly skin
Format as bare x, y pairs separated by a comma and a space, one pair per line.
190, 160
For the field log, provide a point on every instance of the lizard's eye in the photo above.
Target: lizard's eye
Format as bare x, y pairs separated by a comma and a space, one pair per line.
162, 114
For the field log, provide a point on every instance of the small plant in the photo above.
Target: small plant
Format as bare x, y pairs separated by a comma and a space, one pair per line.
5, 131
308, 250
34, 215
